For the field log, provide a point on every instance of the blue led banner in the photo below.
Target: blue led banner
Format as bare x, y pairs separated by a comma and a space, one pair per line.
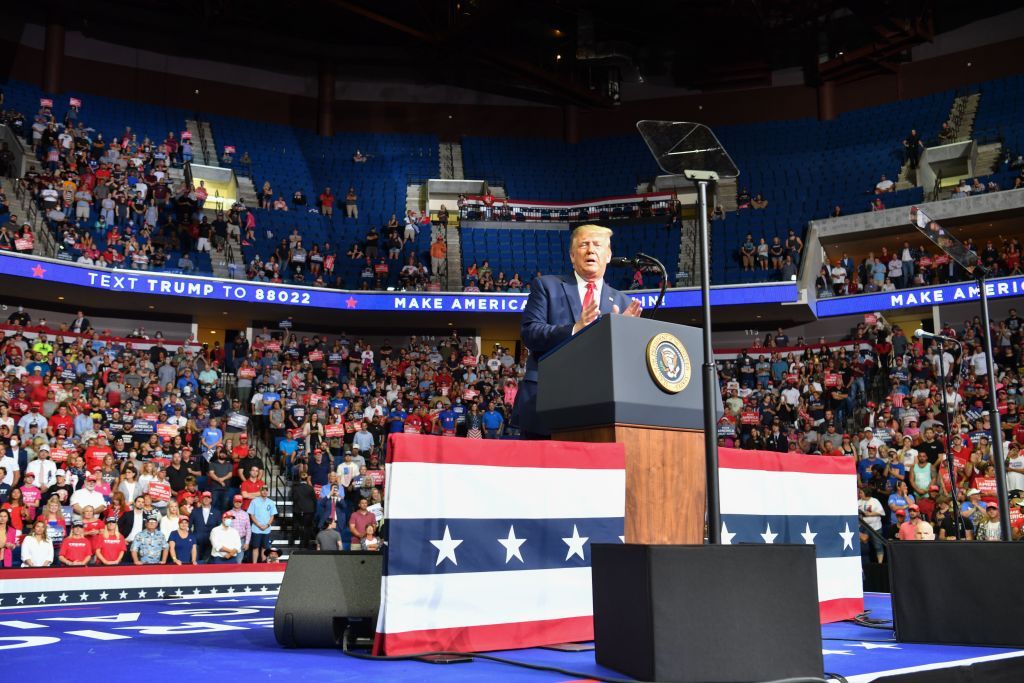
920, 296
164, 284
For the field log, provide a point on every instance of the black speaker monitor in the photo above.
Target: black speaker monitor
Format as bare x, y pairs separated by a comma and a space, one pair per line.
930, 603
707, 613
320, 591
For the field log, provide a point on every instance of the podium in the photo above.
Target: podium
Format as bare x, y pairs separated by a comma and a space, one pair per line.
637, 382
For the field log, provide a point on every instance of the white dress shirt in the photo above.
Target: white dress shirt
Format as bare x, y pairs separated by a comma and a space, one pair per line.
581, 286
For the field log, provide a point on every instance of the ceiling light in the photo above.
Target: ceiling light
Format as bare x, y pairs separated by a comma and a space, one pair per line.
558, 57
60, 298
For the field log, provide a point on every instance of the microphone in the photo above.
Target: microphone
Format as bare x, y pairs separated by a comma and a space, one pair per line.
921, 334
624, 262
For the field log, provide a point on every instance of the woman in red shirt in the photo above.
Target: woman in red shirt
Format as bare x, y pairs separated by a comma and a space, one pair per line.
19, 511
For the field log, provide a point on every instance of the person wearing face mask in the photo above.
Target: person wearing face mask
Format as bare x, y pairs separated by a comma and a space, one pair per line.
225, 543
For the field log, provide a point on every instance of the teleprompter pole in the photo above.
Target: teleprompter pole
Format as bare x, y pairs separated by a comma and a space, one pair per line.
710, 375
993, 413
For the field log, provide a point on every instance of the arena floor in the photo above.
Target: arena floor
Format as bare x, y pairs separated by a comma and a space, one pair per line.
223, 635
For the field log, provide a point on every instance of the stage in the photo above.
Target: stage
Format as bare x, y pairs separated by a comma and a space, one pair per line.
232, 634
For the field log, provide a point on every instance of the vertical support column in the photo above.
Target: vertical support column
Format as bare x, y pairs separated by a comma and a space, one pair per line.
571, 124
826, 101
53, 58
325, 101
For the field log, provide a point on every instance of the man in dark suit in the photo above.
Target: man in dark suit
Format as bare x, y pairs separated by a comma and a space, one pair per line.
131, 522
334, 500
204, 519
304, 507
560, 307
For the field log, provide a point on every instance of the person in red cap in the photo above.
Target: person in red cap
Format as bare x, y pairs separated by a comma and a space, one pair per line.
908, 528
225, 543
88, 496
76, 550
110, 545
241, 522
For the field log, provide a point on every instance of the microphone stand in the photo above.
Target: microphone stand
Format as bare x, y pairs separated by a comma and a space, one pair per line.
664, 279
959, 528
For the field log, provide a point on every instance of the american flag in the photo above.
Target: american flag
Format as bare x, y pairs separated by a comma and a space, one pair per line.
785, 498
489, 541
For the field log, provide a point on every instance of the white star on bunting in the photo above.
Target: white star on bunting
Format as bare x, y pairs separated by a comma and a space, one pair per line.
103, 595
247, 589
196, 591
727, 535
63, 597
123, 595
847, 537
85, 596
575, 543
512, 545
768, 536
231, 589
142, 594
21, 600
446, 546
42, 597
808, 535
263, 589
160, 593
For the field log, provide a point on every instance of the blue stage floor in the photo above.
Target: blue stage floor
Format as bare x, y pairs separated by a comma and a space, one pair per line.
231, 637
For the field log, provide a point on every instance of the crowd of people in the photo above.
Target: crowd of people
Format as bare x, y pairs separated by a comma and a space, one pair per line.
112, 202
878, 397
910, 266
375, 258
130, 450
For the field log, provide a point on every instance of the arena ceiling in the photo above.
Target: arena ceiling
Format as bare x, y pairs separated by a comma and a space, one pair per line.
553, 52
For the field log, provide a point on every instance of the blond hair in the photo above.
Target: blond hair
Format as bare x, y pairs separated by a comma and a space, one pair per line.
580, 230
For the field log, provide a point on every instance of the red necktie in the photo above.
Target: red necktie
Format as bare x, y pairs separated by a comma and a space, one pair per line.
589, 296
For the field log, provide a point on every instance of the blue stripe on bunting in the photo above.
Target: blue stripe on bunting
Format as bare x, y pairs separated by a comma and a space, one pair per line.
410, 550
828, 541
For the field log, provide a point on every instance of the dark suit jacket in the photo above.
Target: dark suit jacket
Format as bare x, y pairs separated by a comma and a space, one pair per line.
202, 529
551, 311
323, 512
125, 523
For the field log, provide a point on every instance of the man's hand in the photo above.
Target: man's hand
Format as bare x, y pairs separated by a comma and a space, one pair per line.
634, 310
588, 316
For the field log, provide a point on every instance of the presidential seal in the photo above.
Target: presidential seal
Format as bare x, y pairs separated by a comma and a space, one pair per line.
668, 363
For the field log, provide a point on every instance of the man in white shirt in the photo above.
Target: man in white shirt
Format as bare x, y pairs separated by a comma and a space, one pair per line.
792, 395
88, 496
871, 511
43, 468
979, 363
225, 543
885, 185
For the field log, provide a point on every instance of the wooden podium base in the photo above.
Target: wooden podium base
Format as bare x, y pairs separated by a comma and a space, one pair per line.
665, 480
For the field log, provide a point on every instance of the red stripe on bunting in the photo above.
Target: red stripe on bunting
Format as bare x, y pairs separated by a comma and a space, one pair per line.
489, 637
439, 450
767, 461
